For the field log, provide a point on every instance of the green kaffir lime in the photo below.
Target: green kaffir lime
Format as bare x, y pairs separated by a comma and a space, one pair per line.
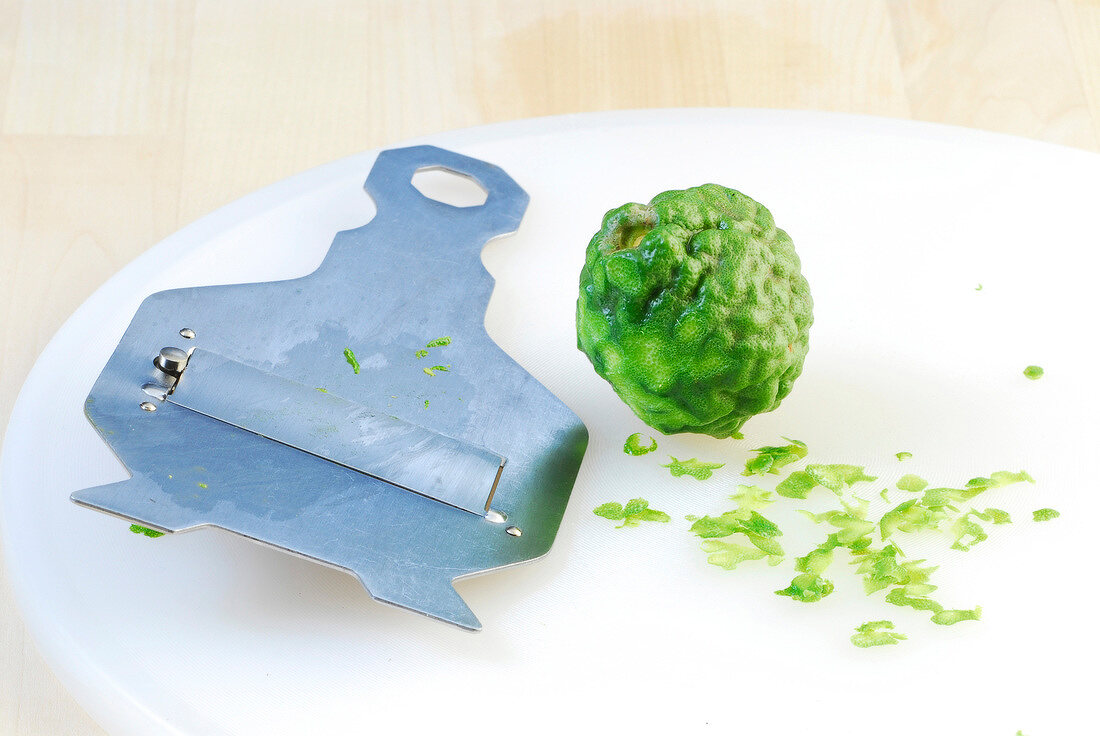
694, 309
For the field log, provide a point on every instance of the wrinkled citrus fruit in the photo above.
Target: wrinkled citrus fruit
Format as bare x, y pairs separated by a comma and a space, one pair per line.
694, 309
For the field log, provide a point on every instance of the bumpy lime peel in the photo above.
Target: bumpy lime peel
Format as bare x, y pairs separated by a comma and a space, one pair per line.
694, 309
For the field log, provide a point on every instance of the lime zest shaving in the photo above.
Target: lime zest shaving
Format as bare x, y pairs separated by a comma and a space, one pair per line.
439, 342
151, 533
851, 524
796, 485
734, 522
909, 516
770, 459
947, 617
838, 477
636, 444
1044, 514
902, 456
728, 555
911, 483
695, 468
807, 588
633, 513
997, 516
745, 520
876, 634
834, 477
880, 568
752, 498
898, 597
349, 356
944, 498
817, 560
1033, 372
965, 527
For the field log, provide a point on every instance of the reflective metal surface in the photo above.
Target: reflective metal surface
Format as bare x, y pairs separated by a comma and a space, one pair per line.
410, 275
319, 422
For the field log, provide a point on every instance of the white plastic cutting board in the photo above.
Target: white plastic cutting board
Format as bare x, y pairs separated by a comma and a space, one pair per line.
897, 224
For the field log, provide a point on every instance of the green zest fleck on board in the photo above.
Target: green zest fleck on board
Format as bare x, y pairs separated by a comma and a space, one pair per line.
639, 444
758, 531
634, 513
349, 356
146, 531
903, 456
807, 588
876, 634
834, 477
1033, 372
912, 483
867, 542
695, 468
439, 342
322, 390
426, 403
771, 459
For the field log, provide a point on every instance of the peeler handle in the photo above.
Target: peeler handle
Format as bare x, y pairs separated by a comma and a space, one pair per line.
390, 185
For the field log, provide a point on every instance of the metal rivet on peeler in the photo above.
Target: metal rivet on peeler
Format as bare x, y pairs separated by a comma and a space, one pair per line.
188, 333
497, 517
171, 361
150, 406
515, 531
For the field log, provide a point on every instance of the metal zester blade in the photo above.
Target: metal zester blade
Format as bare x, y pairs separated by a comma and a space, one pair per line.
252, 420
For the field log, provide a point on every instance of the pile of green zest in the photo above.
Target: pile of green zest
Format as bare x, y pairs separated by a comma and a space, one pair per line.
743, 534
633, 513
694, 309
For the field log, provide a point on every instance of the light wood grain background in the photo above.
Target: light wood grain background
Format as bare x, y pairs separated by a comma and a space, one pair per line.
122, 121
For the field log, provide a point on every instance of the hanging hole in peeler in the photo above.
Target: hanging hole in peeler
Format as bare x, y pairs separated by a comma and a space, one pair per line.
449, 187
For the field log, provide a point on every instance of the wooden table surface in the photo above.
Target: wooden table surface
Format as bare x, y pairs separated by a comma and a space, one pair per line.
120, 122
